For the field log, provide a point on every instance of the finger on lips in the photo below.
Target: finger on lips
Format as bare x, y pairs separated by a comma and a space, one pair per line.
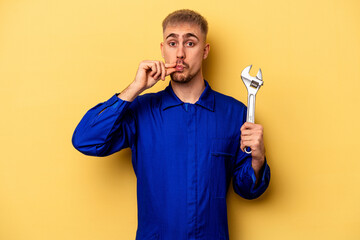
169, 71
170, 68
170, 65
159, 70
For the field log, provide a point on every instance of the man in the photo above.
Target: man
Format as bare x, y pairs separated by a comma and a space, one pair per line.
186, 140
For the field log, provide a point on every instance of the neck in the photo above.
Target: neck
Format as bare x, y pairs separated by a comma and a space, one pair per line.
189, 92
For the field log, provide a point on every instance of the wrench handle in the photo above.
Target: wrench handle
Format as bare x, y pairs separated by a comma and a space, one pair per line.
250, 115
251, 108
247, 150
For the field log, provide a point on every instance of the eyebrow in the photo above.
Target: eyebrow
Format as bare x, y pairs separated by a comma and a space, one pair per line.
187, 35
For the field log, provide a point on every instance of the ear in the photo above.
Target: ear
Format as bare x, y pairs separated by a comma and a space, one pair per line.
206, 51
162, 49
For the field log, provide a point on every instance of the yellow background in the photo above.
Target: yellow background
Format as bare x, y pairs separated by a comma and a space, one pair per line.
60, 58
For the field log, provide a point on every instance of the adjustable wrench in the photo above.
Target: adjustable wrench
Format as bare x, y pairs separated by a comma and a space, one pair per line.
252, 84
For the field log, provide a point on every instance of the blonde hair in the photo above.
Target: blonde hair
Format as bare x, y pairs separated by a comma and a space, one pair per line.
186, 16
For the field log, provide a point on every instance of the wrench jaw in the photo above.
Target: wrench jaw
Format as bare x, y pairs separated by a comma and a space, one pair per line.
246, 71
259, 75
252, 83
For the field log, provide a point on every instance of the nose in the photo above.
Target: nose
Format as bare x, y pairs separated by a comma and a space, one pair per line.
180, 53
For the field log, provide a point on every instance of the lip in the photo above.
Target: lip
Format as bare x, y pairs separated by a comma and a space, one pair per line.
180, 65
179, 68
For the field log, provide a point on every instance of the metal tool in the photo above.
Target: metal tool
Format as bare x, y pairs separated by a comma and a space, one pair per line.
252, 84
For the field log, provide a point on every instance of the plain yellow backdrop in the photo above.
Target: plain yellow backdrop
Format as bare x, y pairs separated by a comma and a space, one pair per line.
60, 58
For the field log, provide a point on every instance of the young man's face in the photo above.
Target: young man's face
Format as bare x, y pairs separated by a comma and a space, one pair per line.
184, 44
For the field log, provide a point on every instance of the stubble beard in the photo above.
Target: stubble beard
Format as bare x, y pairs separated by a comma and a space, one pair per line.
181, 77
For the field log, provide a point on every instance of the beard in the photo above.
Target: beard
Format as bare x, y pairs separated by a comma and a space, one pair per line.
180, 77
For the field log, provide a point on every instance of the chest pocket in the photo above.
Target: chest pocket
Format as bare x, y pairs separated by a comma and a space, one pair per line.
223, 152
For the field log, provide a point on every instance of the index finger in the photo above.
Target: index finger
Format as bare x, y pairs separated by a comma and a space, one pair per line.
170, 71
170, 65
246, 125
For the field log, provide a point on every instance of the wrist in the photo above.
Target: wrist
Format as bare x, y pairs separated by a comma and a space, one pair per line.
258, 163
131, 92
135, 88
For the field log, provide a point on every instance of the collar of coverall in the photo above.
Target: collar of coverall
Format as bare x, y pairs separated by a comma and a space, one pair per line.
206, 100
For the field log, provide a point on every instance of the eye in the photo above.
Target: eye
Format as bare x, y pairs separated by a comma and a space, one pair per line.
190, 44
172, 44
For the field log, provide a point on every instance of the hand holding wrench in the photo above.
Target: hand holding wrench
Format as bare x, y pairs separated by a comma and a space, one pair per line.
252, 84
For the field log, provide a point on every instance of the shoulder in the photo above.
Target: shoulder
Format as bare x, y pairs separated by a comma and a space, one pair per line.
151, 97
148, 101
222, 100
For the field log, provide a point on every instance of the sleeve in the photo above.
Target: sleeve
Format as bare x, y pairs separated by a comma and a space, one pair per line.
106, 128
244, 178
